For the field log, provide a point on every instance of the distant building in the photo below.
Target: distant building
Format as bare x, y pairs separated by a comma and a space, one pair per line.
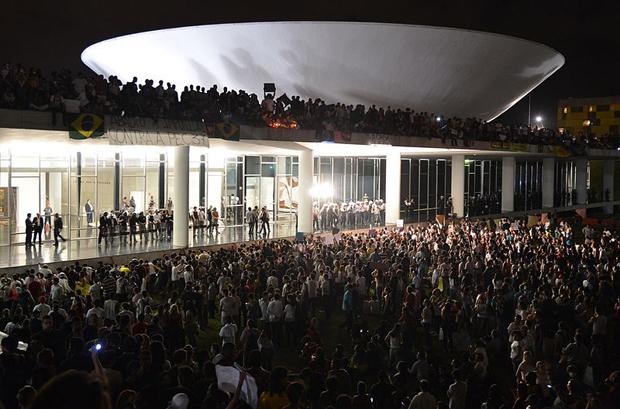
594, 116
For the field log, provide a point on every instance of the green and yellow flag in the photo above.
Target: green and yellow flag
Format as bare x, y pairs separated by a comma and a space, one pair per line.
227, 130
85, 126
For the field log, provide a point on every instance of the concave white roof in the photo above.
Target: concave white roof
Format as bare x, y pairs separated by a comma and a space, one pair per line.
441, 70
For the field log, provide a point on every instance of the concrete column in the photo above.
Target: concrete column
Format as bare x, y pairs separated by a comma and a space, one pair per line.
508, 184
609, 169
457, 190
581, 181
304, 207
180, 199
548, 182
392, 187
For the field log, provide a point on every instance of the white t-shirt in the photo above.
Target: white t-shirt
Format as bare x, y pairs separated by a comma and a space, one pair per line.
272, 281
227, 306
56, 292
515, 350
109, 309
312, 286
289, 313
43, 309
263, 308
228, 333
223, 282
98, 311
275, 310
176, 272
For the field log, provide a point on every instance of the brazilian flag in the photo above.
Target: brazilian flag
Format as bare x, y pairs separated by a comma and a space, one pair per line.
227, 130
85, 126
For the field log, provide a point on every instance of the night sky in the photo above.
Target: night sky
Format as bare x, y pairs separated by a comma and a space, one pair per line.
52, 34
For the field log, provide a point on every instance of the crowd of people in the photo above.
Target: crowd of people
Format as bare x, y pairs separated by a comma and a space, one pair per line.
64, 91
352, 214
464, 314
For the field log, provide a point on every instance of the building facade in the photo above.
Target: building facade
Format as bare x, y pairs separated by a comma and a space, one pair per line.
286, 171
589, 116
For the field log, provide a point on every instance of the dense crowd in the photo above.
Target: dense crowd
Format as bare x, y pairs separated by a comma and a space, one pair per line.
460, 315
62, 91
328, 216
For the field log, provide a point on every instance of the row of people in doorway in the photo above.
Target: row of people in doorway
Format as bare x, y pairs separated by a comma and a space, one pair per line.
351, 214
253, 216
129, 226
153, 224
37, 225
205, 220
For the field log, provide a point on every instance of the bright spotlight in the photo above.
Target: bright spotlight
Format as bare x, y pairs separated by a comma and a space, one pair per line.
539, 119
438, 119
322, 191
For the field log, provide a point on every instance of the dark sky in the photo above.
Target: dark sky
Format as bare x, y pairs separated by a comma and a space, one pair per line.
51, 34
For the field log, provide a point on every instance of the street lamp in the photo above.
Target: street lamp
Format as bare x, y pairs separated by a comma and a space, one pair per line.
539, 120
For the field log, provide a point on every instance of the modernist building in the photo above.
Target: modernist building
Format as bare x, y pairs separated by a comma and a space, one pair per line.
593, 116
40, 168
445, 71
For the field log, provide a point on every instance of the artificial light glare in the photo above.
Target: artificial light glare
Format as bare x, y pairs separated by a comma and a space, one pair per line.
322, 191
539, 119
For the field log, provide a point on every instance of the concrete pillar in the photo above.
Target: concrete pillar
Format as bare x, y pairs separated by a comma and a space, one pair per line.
392, 187
581, 180
609, 169
180, 199
457, 190
304, 207
508, 184
548, 182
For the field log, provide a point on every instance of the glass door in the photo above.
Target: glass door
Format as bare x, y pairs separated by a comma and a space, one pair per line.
24, 193
54, 191
6, 214
231, 209
133, 183
286, 206
83, 190
268, 187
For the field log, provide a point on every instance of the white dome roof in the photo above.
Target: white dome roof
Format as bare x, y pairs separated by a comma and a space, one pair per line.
446, 71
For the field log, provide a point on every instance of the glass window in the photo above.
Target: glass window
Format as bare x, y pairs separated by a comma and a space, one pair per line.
252, 191
289, 165
6, 221
25, 191
338, 179
415, 181
281, 170
405, 165
381, 178
252, 165
423, 199
432, 183
268, 170
441, 178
